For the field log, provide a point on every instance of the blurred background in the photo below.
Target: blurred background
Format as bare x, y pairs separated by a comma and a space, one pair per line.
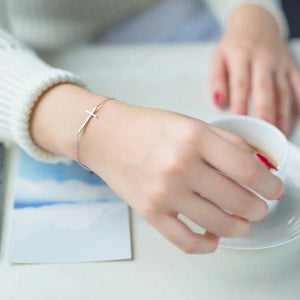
180, 21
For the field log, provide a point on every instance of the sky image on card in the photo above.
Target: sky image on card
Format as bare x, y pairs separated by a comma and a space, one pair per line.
63, 213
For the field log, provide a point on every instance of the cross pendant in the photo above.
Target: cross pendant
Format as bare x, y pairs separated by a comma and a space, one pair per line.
91, 115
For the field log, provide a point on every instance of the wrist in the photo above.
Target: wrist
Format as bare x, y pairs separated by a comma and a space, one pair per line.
99, 143
259, 18
58, 115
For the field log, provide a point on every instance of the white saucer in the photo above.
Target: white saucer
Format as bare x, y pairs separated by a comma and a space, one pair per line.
282, 224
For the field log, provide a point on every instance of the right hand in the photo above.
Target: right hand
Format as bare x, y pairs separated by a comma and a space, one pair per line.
163, 164
254, 60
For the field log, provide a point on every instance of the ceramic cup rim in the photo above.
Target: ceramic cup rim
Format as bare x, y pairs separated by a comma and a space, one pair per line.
261, 122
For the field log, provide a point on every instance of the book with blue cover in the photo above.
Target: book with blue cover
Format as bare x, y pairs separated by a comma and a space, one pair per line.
63, 213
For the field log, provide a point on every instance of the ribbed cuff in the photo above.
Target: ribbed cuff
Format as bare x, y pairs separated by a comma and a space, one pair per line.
23, 79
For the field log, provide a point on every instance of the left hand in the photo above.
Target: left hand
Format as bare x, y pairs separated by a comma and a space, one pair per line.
252, 58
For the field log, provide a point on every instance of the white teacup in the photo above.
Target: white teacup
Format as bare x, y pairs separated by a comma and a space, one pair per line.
262, 135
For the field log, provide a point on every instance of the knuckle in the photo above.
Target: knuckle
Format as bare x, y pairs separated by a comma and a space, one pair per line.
239, 108
156, 199
216, 77
266, 57
242, 53
178, 158
284, 112
190, 247
212, 246
250, 175
148, 211
283, 92
263, 83
194, 245
262, 113
191, 133
234, 228
246, 227
173, 165
252, 209
261, 212
238, 141
277, 190
227, 229
242, 83
296, 74
244, 208
159, 194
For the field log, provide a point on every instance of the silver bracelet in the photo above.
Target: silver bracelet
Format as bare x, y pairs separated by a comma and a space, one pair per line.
92, 114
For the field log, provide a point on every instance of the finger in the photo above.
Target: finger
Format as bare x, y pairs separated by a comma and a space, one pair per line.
235, 139
284, 103
229, 195
211, 217
263, 93
239, 165
294, 79
239, 83
219, 80
238, 141
178, 233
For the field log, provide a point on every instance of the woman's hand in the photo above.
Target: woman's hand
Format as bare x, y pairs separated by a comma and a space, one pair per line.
253, 59
162, 164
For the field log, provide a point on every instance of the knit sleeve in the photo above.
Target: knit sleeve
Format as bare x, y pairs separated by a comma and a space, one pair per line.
223, 10
23, 79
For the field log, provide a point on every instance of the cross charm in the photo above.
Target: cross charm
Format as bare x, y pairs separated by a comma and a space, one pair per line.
91, 115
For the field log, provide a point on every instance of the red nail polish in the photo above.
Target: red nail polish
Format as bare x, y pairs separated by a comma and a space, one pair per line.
282, 195
265, 161
217, 98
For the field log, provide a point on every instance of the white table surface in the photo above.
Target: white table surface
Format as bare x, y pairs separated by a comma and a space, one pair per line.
175, 78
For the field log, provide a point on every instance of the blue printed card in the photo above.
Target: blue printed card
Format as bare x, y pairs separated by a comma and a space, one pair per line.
63, 213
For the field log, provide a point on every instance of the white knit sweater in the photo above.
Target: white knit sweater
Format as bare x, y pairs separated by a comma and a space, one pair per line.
51, 24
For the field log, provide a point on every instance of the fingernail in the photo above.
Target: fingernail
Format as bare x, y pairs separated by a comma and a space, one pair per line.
217, 98
282, 195
265, 161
